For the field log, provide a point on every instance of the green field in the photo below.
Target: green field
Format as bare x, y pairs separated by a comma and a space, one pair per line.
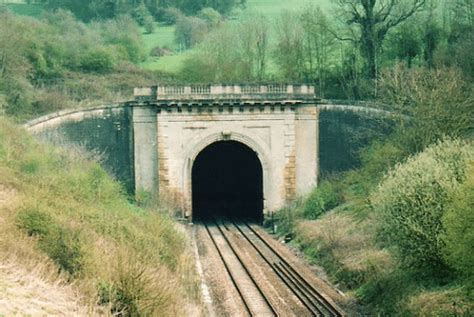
25, 9
164, 35
273, 8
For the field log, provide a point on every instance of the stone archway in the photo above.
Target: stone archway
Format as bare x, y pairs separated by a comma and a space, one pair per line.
227, 182
247, 141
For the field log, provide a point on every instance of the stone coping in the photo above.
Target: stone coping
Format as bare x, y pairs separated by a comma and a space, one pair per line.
225, 92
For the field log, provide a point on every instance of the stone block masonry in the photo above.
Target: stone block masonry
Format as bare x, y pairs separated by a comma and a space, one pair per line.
173, 124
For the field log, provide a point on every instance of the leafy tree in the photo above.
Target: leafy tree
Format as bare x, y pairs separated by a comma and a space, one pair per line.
14, 67
405, 44
190, 31
140, 14
371, 20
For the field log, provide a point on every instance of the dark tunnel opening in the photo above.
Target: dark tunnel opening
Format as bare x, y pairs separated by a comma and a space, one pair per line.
227, 182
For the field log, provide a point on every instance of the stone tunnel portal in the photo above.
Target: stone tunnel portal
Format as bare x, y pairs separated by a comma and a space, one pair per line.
227, 182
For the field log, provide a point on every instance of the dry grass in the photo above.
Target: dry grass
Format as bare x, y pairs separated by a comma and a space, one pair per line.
450, 302
30, 291
29, 282
68, 230
347, 246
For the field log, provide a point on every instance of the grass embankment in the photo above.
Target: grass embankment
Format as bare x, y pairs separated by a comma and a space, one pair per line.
403, 248
65, 219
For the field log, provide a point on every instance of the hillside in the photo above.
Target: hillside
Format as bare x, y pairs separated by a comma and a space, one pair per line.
163, 36
62, 218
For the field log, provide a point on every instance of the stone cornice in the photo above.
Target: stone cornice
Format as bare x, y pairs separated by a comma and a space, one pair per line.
226, 95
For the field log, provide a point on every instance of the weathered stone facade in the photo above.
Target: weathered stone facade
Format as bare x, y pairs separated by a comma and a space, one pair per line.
172, 125
151, 143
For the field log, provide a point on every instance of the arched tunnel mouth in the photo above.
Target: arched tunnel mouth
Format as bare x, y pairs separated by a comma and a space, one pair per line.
227, 182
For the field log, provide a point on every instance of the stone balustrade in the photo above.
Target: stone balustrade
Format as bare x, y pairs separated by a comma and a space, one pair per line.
210, 92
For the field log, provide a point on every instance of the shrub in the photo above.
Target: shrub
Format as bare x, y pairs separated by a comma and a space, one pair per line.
140, 14
211, 16
124, 33
190, 31
97, 60
323, 198
286, 219
149, 24
459, 224
35, 223
158, 51
64, 246
135, 291
413, 198
169, 16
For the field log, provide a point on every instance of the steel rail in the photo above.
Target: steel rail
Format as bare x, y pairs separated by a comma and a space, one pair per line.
267, 301
297, 276
232, 278
288, 281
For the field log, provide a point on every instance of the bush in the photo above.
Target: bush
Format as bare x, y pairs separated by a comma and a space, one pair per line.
323, 198
125, 35
97, 60
140, 14
459, 224
64, 246
190, 31
211, 16
149, 24
35, 223
169, 16
413, 198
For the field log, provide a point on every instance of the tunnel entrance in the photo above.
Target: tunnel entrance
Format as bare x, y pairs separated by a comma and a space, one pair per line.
227, 182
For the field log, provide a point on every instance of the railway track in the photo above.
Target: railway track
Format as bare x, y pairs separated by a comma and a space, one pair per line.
255, 301
253, 294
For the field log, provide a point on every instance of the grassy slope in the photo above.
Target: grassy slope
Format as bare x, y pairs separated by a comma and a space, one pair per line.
61, 210
346, 242
164, 36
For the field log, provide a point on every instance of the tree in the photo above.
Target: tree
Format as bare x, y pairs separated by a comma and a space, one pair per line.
371, 20
231, 53
432, 34
253, 36
190, 31
405, 44
289, 49
318, 43
431, 104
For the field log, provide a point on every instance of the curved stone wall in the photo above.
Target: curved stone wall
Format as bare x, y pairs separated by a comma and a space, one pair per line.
106, 130
344, 130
